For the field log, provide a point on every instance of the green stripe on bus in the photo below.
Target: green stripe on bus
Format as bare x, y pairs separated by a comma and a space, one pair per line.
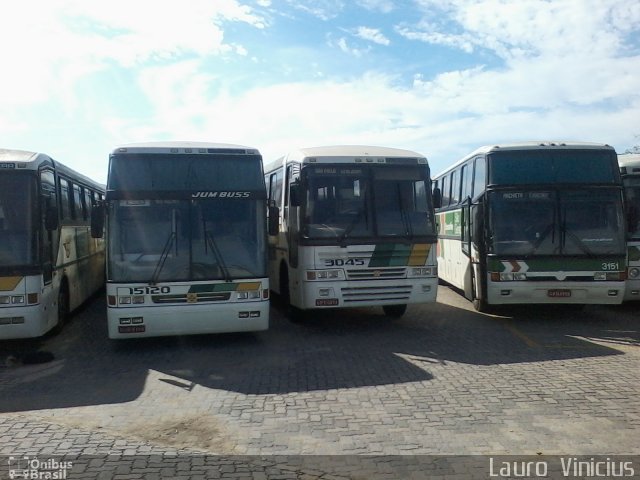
213, 287
557, 264
390, 255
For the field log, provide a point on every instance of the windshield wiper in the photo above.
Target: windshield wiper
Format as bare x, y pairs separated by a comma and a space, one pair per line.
210, 241
545, 233
173, 236
577, 241
361, 212
406, 221
163, 258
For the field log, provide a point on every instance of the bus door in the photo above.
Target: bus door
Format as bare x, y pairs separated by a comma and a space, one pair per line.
49, 223
291, 215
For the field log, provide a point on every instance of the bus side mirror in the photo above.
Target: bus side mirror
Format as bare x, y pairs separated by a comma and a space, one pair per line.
294, 194
51, 218
97, 220
437, 198
274, 220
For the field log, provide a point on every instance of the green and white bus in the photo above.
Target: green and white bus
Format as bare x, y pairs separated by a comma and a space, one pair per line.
351, 226
49, 264
533, 223
630, 171
186, 240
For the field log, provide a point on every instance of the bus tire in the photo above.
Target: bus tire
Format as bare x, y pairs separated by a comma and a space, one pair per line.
63, 307
479, 304
394, 311
293, 314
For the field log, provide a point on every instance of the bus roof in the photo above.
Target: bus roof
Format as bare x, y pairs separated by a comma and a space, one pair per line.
531, 145
342, 153
23, 156
32, 161
629, 161
184, 147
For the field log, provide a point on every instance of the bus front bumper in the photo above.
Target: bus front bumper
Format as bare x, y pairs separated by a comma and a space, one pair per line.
23, 322
341, 294
171, 320
561, 293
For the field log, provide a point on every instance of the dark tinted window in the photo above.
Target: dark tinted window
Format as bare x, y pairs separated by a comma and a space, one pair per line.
545, 166
171, 172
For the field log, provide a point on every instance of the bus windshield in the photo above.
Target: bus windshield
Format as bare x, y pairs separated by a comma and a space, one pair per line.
179, 240
17, 213
632, 198
353, 201
572, 222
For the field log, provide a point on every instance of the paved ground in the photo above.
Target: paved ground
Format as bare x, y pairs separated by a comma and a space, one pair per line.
443, 380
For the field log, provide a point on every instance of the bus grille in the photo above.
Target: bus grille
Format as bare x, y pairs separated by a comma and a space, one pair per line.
366, 294
192, 297
377, 273
553, 278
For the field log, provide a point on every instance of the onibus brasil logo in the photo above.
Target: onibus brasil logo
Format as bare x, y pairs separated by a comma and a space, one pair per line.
26, 467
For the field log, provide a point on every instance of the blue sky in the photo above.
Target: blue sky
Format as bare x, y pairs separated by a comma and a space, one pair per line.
441, 77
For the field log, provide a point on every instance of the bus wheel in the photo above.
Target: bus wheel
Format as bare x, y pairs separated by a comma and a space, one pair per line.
294, 314
63, 307
394, 311
480, 305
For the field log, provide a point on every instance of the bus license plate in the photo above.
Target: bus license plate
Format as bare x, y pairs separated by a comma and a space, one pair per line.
559, 293
131, 329
326, 302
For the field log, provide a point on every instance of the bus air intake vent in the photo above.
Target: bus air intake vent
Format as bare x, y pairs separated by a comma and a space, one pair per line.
353, 295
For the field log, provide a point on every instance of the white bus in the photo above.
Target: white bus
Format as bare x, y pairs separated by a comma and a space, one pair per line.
351, 226
49, 264
186, 240
533, 223
630, 171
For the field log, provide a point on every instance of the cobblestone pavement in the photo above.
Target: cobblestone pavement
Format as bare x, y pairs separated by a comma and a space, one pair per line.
442, 380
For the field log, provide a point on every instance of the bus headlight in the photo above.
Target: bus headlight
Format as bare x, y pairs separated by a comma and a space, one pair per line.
124, 300
17, 299
610, 276
634, 272
137, 300
5, 299
509, 277
248, 295
323, 275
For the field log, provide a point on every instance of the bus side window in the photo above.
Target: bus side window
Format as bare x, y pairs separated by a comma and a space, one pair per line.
65, 199
276, 180
446, 186
76, 202
467, 179
455, 187
479, 177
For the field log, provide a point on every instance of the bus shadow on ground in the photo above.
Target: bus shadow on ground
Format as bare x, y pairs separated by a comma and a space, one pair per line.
330, 350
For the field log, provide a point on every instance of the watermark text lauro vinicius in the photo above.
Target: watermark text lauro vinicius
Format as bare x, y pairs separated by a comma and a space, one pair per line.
569, 467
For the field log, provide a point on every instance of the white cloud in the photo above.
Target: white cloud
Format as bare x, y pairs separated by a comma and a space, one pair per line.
568, 71
322, 9
48, 46
442, 118
344, 46
373, 35
384, 6
528, 28
463, 42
